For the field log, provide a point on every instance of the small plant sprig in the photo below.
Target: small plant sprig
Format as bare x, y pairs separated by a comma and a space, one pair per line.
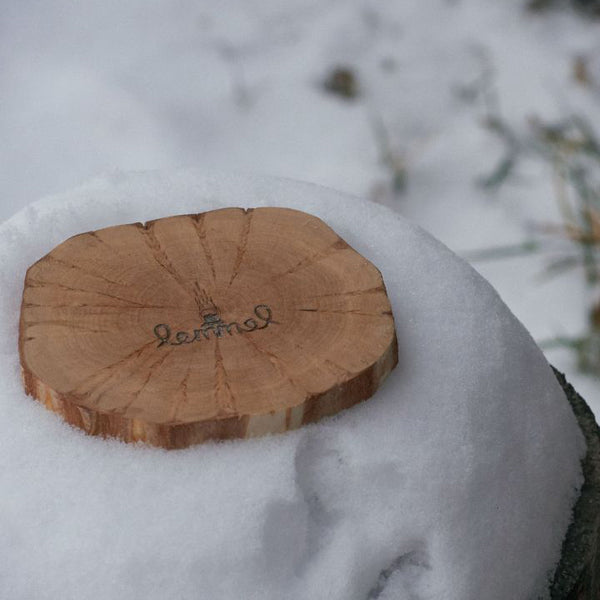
393, 161
572, 148
574, 151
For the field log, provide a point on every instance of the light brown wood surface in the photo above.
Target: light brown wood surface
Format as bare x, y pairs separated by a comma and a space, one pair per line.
227, 324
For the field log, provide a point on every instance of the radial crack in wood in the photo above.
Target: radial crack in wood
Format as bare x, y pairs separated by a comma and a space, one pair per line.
227, 324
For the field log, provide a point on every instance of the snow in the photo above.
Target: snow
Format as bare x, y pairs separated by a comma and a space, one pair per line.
454, 482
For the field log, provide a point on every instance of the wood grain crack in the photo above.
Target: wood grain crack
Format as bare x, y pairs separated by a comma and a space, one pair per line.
63, 323
85, 305
374, 290
345, 312
152, 370
183, 399
223, 394
71, 266
161, 257
104, 374
199, 226
279, 366
243, 244
36, 283
336, 370
313, 259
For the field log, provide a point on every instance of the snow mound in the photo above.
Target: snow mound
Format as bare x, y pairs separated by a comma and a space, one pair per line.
454, 482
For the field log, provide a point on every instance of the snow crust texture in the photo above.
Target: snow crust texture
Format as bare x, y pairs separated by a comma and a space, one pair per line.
454, 482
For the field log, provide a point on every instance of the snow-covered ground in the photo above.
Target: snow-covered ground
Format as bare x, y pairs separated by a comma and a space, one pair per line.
96, 87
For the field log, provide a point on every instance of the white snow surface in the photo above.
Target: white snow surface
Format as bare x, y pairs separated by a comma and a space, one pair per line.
454, 482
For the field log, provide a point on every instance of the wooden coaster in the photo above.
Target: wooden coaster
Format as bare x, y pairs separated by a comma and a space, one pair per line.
227, 324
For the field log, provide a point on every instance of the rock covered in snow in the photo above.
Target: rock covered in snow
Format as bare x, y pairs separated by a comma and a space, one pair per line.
454, 482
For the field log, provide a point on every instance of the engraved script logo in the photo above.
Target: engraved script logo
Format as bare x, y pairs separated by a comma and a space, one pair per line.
214, 325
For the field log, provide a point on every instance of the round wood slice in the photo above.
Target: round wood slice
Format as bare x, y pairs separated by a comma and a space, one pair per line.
228, 324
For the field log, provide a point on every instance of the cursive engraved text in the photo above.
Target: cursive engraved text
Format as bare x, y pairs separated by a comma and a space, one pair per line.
214, 325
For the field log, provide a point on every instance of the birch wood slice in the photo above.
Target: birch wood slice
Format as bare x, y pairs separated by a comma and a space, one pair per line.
228, 324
